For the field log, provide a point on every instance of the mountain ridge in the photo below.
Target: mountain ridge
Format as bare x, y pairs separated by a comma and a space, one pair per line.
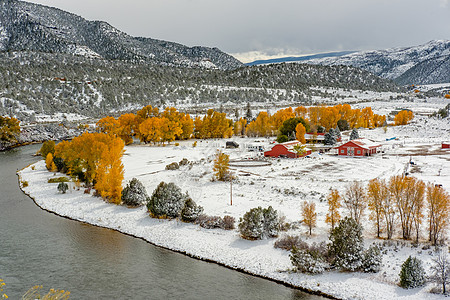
29, 26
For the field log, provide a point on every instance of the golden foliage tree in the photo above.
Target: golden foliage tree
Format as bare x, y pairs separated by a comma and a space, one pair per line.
221, 166
309, 215
9, 129
376, 193
403, 117
261, 126
49, 164
438, 203
300, 133
334, 203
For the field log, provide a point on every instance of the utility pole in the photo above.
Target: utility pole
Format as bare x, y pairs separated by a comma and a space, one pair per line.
231, 192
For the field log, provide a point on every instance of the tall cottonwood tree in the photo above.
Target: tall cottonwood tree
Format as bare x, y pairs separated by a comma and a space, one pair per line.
355, 200
334, 203
376, 193
438, 204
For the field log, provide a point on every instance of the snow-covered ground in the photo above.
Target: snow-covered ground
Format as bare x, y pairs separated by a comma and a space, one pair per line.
284, 184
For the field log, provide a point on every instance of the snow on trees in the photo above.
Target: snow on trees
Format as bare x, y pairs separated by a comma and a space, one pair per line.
167, 201
354, 134
346, 248
372, 260
412, 274
355, 200
330, 137
441, 270
134, 194
191, 211
221, 167
258, 223
63, 187
306, 261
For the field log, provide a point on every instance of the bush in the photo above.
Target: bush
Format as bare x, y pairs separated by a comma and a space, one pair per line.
63, 187
288, 242
412, 274
173, 166
58, 179
24, 183
183, 162
306, 261
167, 201
282, 139
134, 194
372, 260
259, 223
346, 248
191, 211
228, 222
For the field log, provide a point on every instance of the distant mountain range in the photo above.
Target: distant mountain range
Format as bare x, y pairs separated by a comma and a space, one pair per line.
33, 27
296, 58
424, 64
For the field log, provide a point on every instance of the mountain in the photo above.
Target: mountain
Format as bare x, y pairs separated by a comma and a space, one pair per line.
34, 27
296, 58
424, 64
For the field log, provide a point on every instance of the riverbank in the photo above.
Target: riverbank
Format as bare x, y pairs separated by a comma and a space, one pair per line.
224, 247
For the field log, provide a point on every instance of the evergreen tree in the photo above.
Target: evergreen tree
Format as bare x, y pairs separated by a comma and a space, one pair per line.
306, 261
134, 194
258, 223
343, 125
248, 114
330, 137
191, 211
412, 274
167, 201
354, 135
346, 248
337, 133
372, 260
63, 187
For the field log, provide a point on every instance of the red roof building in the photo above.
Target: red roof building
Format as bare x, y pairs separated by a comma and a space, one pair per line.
358, 147
445, 145
286, 150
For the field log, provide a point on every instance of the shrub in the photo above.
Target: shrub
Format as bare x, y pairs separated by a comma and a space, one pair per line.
47, 147
259, 223
24, 183
183, 162
372, 260
191, 211
58, 179
167, 201
173, 166
346, 248
282, 139
228, 222
306, 261
412, 274
63, 187
134, 194
288, 242
209, 222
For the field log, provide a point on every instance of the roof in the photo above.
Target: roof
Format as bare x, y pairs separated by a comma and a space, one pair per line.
290, 145
363, 143
310, 136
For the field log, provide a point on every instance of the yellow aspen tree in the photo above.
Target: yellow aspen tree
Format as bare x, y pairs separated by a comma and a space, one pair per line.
108, 125
309, 215
127, 127
301, 112
300, 133
438, 203
221, 166
49, 163
187, 126
375, 196
150, 130
334, 203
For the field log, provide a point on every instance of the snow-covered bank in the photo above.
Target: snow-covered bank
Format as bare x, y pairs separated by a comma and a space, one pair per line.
283, 185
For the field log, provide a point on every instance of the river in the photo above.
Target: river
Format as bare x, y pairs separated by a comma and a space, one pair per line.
40, 248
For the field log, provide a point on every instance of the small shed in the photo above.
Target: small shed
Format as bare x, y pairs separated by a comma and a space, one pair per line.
286, 150
445, 145
358, 147
231, 145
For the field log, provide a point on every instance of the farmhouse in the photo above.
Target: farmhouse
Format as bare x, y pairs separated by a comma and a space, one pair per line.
358, 147
286, 150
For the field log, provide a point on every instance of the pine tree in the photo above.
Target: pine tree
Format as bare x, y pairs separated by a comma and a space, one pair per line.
354, 135
306, 262
346, 248
167, 200
329, 137
258, 223
372, 260
134, 194
412, 274
191, 211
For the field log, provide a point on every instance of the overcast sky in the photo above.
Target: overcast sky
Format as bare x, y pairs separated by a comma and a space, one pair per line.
253, 29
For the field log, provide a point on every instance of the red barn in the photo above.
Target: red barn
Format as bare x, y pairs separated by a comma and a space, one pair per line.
286, 150
358, 147
445, 145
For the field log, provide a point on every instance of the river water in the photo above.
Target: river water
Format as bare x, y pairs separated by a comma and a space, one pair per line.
40, 248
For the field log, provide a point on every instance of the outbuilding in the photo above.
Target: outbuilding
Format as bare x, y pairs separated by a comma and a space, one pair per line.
445, 145
358, 147
286, 150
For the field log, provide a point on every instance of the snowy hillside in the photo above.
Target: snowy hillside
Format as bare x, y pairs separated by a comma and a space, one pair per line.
33, 27
424, 64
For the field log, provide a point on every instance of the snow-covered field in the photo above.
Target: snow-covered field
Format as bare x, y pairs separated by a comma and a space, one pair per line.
284, 184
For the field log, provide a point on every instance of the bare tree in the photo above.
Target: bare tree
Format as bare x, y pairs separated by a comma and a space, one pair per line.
355, 200
441, 270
